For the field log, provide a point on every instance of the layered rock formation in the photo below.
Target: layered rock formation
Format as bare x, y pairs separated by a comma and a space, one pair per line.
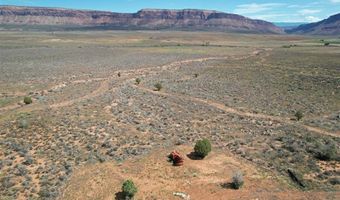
187, 19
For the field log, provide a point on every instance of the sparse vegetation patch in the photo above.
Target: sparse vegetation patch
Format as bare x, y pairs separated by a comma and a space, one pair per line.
327, 151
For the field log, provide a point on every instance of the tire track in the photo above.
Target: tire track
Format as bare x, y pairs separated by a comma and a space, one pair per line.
227, 109
130, 73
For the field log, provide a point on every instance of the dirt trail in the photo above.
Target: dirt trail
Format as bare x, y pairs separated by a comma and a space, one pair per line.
10, 107
130, 73
227, 109
104, 86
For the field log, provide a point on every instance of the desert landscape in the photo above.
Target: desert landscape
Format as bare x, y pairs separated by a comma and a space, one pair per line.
111, 105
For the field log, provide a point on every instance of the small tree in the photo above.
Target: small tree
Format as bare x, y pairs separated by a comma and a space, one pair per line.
138, 80
202, 148
196, 75
27, 100
129, 189
237, 181
158, 86
327, 43
119, 74
299, 115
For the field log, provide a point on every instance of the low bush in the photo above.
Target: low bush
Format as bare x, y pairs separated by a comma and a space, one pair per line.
23, 123
129, 189
158, 86
298, 115
28, 100
138, 80
327, 151
334, 181
237, 181
202, 148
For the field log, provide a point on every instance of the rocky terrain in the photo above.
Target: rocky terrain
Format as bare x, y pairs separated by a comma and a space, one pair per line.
92, 124
143, 19
329, 26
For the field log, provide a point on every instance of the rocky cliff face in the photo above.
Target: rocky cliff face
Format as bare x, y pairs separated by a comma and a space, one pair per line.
330, 26
143, 19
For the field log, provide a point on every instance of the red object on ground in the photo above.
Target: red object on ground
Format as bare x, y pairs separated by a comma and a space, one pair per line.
176, 158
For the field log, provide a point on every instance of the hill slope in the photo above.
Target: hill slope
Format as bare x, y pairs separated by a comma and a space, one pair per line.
330, 26
143, 19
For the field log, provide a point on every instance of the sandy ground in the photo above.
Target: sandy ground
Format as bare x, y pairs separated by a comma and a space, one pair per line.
156, 178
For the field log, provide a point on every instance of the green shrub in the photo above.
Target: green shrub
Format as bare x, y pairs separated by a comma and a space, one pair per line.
158, 86
196, 75
27, 100
129, 189
202, 148
119, 74
138, 80
326, 43
237, 181
299, 115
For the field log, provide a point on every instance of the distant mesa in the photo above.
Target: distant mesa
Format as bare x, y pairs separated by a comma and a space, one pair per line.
146, 19
330, 26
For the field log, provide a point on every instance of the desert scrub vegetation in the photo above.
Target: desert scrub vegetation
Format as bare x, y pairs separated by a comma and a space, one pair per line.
297, 177
138, 80
23, 123
205, 44
129, 189
202, 148
28, 100
298, 115
327, 151
318, 147
158, 86
237, 180
301, 152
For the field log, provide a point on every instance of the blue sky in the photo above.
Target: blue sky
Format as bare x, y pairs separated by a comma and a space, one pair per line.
270, 10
